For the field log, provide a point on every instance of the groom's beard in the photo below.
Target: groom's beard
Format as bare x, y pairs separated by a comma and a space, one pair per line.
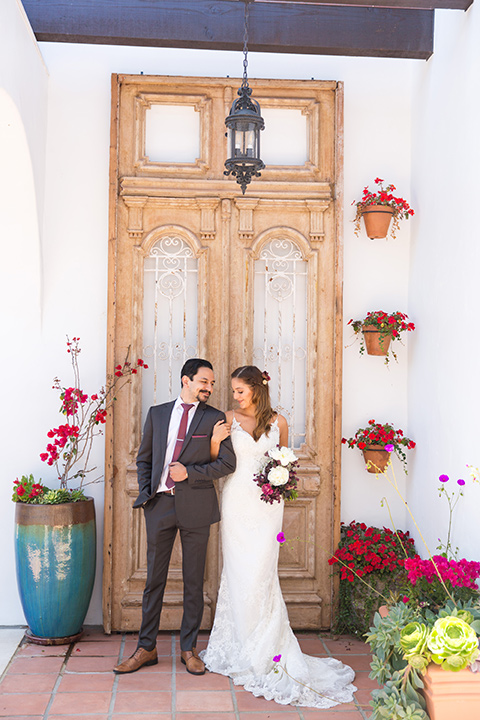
203, 395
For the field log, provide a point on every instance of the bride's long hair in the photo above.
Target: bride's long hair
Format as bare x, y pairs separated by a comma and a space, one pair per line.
258, 383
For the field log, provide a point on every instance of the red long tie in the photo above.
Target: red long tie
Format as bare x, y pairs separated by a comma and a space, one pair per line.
182, 431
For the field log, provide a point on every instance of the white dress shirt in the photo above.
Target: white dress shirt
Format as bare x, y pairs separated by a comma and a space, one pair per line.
173, 428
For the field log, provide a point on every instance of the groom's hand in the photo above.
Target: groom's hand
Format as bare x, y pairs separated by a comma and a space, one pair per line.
178, 472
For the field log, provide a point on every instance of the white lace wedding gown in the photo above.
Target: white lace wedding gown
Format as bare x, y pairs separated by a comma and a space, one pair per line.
251, 622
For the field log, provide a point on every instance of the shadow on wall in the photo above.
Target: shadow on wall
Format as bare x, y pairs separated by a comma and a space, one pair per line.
20, 276
20, 316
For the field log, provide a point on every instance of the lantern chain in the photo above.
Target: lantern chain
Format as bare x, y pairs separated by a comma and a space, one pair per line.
245, 48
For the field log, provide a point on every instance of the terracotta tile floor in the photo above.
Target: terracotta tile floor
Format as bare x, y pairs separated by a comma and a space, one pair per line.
76, 681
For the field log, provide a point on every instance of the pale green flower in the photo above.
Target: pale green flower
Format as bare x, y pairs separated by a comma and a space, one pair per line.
413, 641
453, 643
465, 615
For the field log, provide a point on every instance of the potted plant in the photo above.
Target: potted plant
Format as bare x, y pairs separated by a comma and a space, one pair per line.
55, 534
370, 565
378, 208
377, 441
378, 329
426, 649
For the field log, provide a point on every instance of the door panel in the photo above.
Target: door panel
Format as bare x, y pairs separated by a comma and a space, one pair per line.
195, 268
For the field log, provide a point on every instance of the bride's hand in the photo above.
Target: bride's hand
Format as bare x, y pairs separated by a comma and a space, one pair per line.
221, 430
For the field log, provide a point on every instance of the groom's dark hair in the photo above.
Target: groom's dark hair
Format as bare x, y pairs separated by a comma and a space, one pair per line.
192, 366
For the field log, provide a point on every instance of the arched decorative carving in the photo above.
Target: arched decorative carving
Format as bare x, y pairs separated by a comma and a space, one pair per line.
281, 231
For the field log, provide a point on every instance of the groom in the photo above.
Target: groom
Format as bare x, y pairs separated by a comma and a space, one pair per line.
175, 478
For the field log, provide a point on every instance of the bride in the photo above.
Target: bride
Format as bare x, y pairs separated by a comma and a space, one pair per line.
251, 622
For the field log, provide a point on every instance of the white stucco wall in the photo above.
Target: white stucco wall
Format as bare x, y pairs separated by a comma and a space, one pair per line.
23, 121
378, 141
444, 294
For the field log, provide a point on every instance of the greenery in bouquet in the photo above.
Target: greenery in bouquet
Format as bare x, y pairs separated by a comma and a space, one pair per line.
382, 435
370, 564
389, 325
383, 196
70, 444
278, 479
437, 621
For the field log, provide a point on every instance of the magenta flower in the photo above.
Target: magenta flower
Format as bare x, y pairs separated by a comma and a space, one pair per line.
444, 478
277, 658
389, 448
460, 482
281, 539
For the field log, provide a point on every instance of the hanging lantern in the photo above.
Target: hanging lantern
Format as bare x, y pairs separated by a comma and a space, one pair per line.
243, 129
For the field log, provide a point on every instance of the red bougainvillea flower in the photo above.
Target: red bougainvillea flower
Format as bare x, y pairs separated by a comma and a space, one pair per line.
71, 442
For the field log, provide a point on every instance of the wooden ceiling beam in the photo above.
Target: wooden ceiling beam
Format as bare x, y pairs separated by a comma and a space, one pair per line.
282, 27
411, 4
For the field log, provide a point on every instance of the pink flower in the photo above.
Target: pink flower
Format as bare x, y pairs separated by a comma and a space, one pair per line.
281, 538
277, 658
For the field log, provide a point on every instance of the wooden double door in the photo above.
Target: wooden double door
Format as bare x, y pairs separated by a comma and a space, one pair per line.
198, 269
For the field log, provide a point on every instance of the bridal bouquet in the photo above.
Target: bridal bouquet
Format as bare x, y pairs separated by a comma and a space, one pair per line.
278, 479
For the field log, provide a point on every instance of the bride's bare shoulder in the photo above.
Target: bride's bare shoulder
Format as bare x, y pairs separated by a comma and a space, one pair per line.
229, 416
282, 422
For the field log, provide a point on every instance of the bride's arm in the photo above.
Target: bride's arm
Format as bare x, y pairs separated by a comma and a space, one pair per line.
221, 430
283, 427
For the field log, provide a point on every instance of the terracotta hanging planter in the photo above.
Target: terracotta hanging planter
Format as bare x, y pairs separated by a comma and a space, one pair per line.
376, 458
377, 220
451, 694
376, 343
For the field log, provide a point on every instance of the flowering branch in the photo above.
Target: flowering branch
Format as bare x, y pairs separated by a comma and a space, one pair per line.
71, 442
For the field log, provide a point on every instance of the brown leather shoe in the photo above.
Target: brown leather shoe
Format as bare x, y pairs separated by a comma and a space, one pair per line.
194, 665
139, 658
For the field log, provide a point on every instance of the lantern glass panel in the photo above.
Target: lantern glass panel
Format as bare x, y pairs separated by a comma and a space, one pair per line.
243, 139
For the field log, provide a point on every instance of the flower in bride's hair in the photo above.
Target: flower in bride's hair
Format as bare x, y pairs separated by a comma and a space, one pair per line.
266, 377
281, 538
278, 475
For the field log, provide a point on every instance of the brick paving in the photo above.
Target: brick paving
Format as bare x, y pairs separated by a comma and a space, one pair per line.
76, 681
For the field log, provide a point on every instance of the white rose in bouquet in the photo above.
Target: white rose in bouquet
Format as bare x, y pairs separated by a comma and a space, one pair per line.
283, 455
278, 476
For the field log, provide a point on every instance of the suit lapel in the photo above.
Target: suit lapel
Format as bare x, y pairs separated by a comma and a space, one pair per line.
164, 423
194, 424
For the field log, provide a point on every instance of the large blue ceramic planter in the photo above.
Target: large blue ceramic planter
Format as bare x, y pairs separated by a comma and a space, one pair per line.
55, 550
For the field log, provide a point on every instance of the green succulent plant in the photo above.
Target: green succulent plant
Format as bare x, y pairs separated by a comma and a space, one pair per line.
453, 643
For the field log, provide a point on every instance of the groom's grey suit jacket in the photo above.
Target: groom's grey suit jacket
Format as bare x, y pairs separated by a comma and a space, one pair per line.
196, 503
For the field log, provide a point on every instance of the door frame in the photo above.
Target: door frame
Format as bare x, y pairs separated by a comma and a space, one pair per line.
220, 206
